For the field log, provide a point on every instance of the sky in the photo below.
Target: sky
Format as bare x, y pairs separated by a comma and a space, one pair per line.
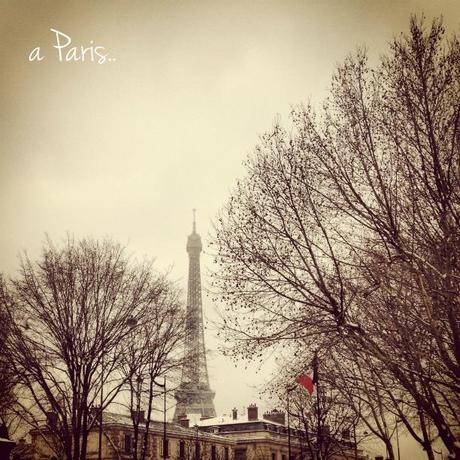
127, 148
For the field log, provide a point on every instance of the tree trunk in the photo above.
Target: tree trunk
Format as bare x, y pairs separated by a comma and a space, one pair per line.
454, 451
390, 452
84, 440
428, 448
147, 422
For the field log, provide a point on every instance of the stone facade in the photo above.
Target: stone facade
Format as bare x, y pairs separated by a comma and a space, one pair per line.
255, 439
118, 437
267, 438
236, 437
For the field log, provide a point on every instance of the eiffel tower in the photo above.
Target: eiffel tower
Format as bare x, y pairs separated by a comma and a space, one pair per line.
194, 396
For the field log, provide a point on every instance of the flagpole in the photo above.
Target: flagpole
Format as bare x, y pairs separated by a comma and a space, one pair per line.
310, 384
319, 437
288, 425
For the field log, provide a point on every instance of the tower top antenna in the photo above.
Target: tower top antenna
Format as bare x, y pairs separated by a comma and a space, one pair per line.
194, 220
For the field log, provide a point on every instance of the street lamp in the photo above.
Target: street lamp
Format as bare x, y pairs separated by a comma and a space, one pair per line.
288, 427
139, 380
398, 421
165, 441
288, 390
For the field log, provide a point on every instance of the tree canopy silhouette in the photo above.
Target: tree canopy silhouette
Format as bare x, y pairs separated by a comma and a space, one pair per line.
345, 230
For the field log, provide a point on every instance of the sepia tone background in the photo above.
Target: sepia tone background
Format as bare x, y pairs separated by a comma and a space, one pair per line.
126, 149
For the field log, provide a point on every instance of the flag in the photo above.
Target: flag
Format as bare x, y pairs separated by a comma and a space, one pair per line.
309, 381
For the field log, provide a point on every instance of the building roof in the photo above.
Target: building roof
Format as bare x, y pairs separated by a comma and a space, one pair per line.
156, 426
112, 419
228, 420
6, 441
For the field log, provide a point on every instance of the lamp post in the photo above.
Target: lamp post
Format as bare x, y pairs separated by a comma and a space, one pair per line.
355, 442
288, 427
288, 390
139, 381
101, 400
164, 418
165, 441
397, 438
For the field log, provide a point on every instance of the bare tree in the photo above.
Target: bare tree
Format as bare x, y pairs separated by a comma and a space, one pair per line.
379, 399
73, 311
8, 381
328, 424
155, 350
347, 229
374, 395
326, 420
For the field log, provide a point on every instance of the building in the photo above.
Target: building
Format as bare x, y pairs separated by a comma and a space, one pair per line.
256, 438
194, 395
268, 438
234, 437
182, 443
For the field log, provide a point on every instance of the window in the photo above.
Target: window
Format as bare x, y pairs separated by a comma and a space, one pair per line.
273, 455
240, 454
213, 453
197, 451
182, 450
226, 456
127, 443
283, 457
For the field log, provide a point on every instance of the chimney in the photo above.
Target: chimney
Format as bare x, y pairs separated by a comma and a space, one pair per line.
275, 416
234, 413
252, 412
184, 421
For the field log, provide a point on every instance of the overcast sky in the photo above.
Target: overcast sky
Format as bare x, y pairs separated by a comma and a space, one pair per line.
127, 148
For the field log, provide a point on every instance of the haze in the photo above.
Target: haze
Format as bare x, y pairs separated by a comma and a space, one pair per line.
126, 149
